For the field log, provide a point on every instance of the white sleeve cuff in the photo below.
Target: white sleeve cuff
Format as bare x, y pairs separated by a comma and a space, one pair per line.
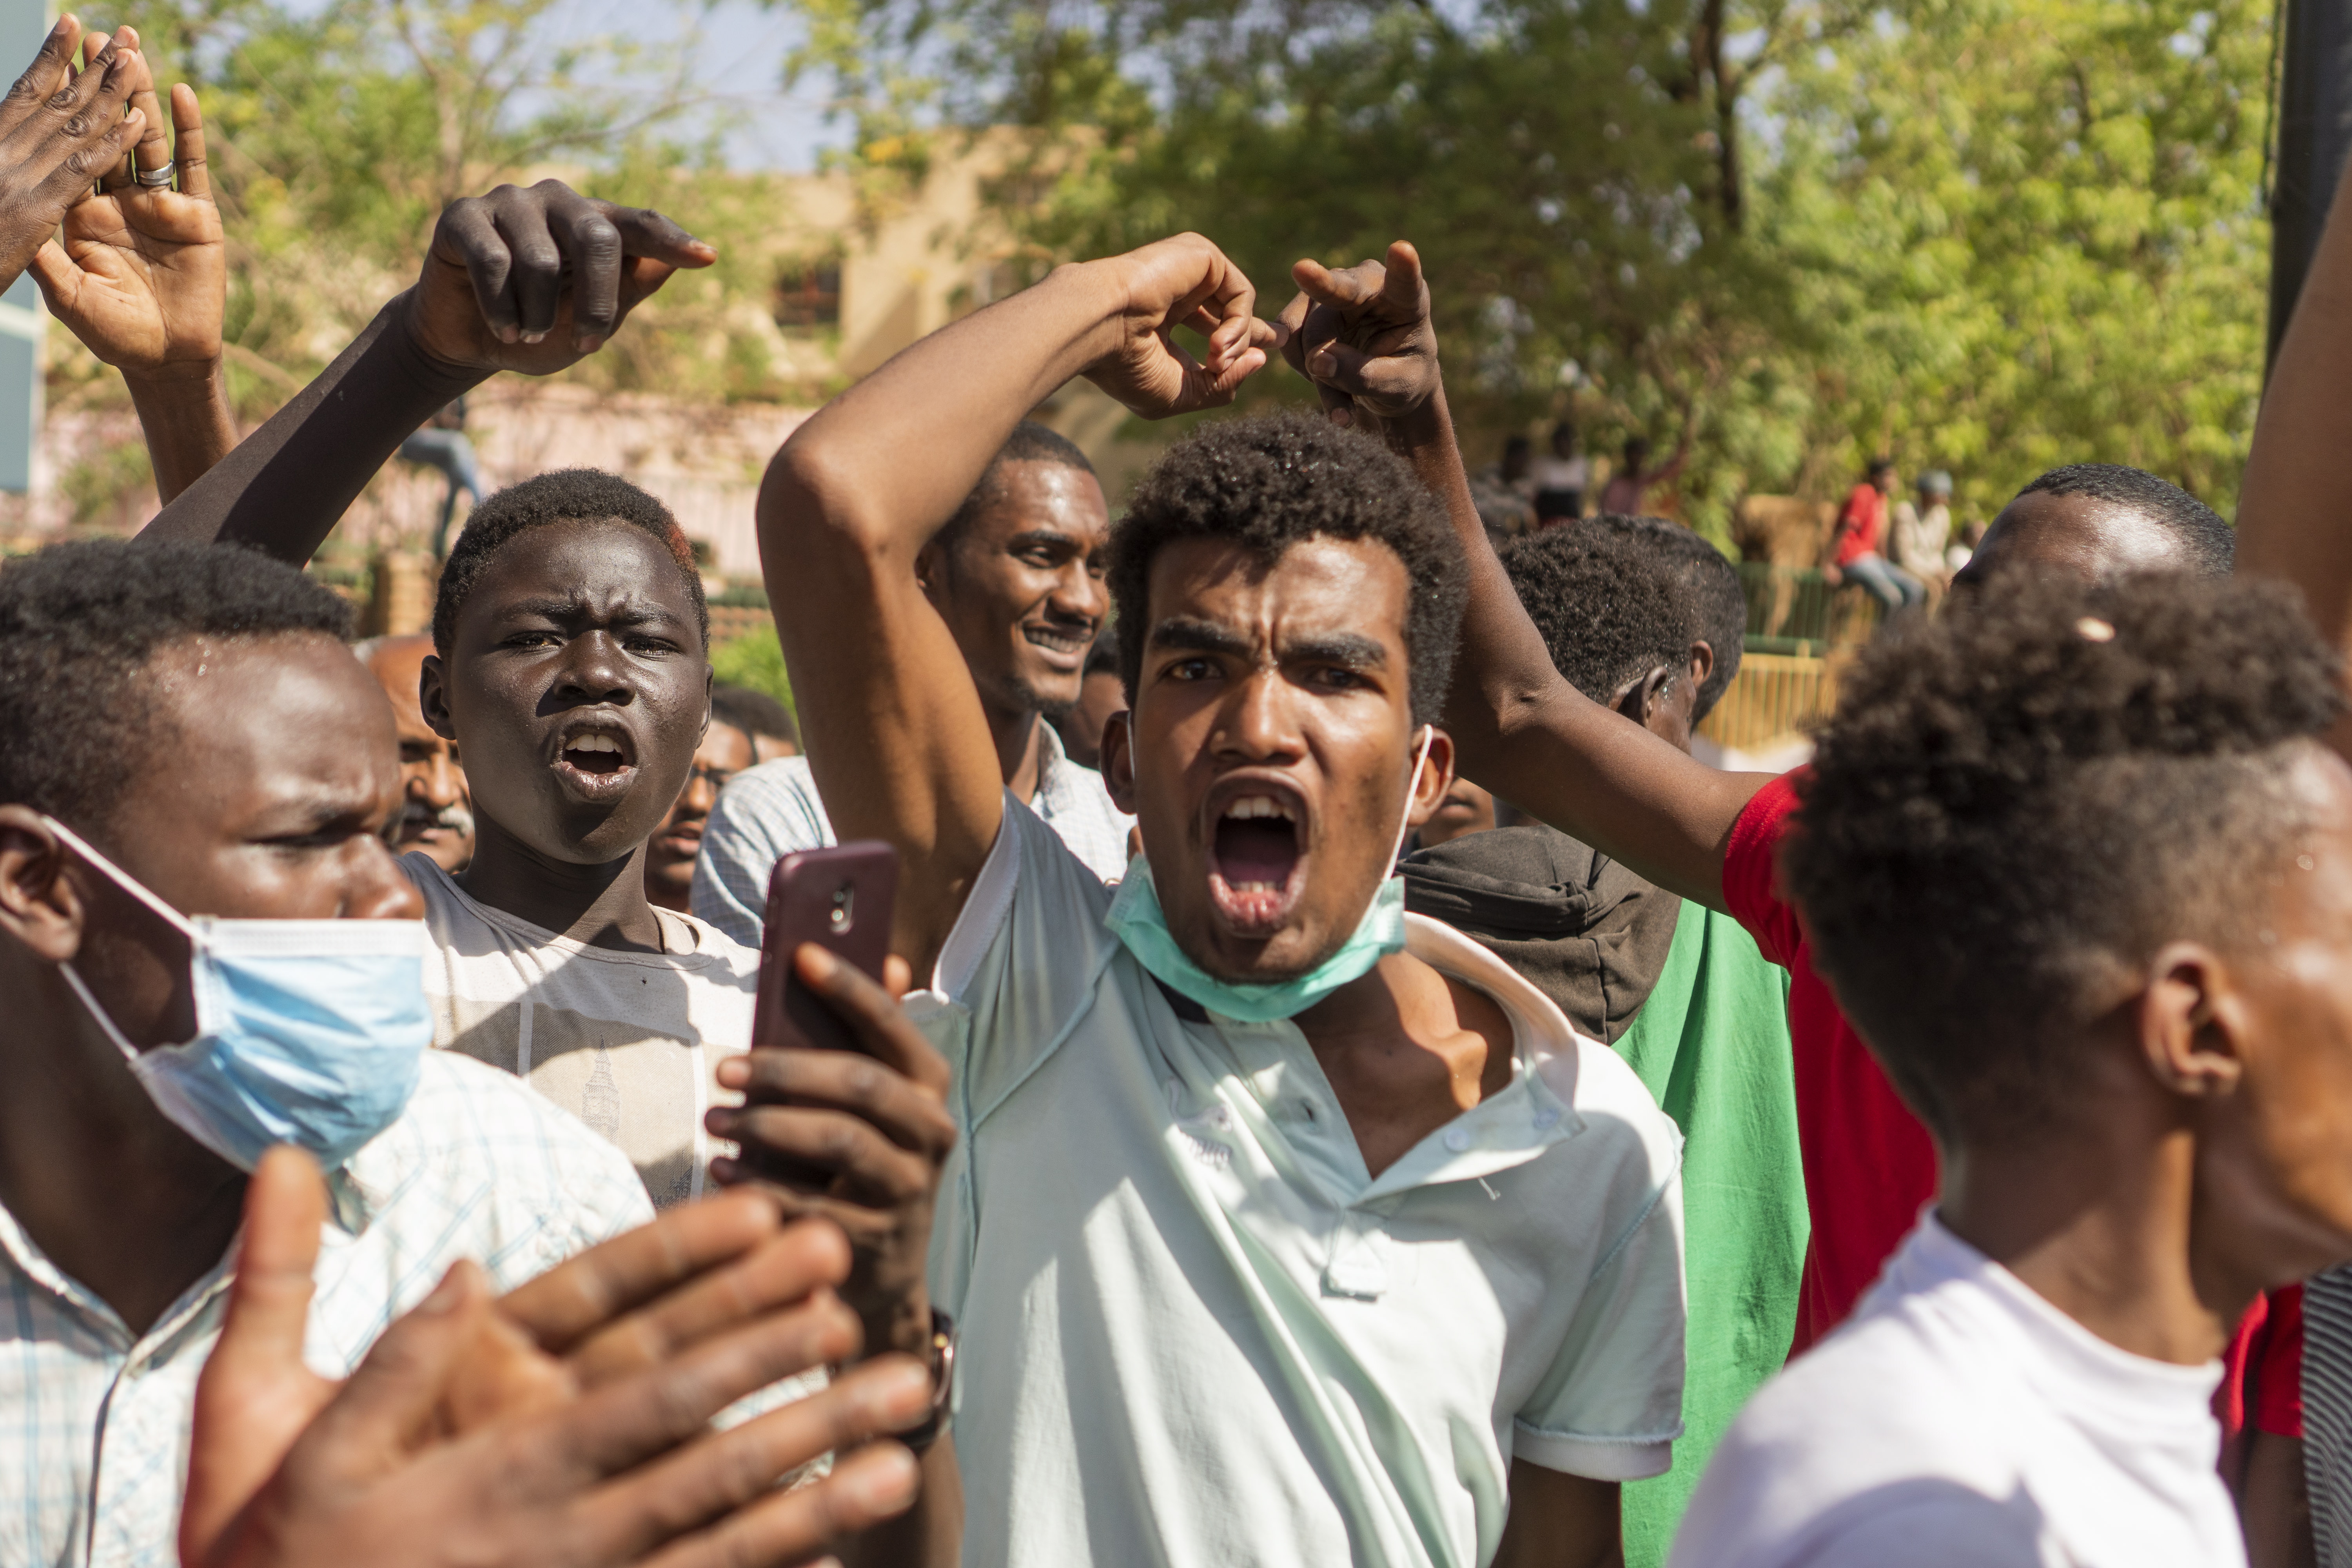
1595, 1459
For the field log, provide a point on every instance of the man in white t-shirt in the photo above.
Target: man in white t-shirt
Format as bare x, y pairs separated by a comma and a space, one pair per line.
1285, 1228
1016, 576
2076, 859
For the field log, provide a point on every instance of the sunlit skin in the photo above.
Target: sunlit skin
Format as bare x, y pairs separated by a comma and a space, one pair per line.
578, 632
669, 853
2223, 1081
2078, 535
1101, 695
1022, 592
438, 818
1289, 681
1663, 701
265, 794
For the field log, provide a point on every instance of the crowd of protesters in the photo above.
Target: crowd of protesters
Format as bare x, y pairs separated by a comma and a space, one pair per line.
1350, 1085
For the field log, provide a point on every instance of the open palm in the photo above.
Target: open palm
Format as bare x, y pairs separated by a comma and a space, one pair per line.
141, 274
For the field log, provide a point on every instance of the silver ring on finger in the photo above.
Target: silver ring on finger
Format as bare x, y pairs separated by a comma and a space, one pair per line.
154, 179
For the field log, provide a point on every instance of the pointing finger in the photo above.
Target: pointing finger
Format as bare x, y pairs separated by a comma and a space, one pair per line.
1401, 286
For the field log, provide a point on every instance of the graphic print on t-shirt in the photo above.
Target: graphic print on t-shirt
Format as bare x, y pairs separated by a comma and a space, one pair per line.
639, 1089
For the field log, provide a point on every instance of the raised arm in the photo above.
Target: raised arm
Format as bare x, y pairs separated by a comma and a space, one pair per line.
1364, 335
528, 281
140, 274
895, 730
2291, 506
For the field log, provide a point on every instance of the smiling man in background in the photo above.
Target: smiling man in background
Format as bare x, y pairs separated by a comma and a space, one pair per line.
437, 818
1017, 576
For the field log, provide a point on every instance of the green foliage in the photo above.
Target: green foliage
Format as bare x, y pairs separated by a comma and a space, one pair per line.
755, 659
1984, 235
337, 132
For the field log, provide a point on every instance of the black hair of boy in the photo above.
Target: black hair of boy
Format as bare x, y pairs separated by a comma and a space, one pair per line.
79, 623
565, 495
1609, 609
1272, 480
1712, 598
2016, 806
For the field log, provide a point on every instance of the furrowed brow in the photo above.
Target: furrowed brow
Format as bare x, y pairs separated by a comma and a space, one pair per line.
1182, 632
1349, 650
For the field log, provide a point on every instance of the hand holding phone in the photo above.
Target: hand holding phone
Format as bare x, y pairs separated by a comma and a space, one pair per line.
845, 1112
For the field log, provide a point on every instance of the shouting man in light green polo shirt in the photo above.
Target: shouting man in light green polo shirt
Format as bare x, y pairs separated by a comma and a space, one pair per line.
1285, 1228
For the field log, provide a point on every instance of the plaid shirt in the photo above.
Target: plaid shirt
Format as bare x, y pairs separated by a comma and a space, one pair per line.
94, 1418
771, 811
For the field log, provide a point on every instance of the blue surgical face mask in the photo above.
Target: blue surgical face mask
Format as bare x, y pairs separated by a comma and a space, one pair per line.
1136, 918
308, 1032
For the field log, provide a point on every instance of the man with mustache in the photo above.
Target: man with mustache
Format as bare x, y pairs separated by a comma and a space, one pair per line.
1017, 576
436, 816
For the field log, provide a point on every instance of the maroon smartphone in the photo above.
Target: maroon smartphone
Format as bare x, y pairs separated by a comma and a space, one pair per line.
840, 900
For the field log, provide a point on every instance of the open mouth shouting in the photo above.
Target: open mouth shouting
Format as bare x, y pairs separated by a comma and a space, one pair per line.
1257, 854
595, 760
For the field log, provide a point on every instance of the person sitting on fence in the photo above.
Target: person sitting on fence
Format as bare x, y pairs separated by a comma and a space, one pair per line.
1917, 533
1852, 554
1018, 577
1632, 611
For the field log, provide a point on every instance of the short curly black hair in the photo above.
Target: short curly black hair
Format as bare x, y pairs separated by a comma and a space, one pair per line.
1029, 443
78, 624
2019, 803
1712, 598
564, 495
1271, 480
2206, 544
1606, 609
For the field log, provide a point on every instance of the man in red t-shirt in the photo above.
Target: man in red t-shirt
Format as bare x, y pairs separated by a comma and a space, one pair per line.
1714, 836
1853, 556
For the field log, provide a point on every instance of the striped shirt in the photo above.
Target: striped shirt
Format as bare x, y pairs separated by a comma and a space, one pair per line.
771, 811
94, 1418
2328, 1413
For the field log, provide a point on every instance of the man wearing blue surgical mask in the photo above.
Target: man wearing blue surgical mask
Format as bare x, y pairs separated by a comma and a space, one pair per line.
1286, 1228
206, 948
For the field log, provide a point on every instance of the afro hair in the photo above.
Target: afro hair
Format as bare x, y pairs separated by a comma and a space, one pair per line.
566, 495
2020, 803
79, 623
1272, 480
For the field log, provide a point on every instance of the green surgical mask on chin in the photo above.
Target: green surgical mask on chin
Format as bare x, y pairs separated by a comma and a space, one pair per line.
1136, 918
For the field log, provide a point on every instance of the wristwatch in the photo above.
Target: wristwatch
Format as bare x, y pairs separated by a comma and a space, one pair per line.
943, 1356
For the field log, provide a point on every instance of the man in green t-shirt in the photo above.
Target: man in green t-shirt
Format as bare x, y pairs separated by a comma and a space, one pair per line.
1644, 616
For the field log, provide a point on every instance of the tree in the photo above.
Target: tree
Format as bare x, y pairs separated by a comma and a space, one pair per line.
1986, 234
